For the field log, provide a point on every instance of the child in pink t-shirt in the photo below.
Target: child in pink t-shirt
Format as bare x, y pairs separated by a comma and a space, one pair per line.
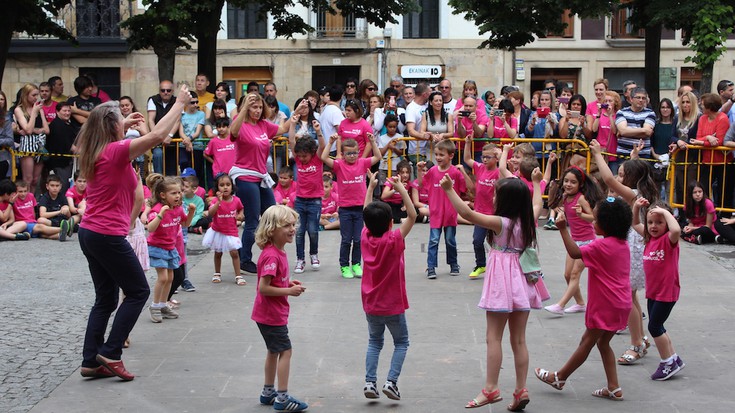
701, 214
350, 173
24, 205
661, 234
391, 195
577, 197
443, 215
9, 227
164, 222
75, 196
329, 217
608, 292
225, 210
486, 174
220, 151
355, 127
285, 190
277, 227
307, 196
383, 287
420, 195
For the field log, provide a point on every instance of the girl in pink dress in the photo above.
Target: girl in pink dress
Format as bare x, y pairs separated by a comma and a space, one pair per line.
608, 293
507, 295
580, 194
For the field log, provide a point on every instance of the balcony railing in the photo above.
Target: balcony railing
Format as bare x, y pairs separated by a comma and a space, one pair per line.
91, 19
338, 27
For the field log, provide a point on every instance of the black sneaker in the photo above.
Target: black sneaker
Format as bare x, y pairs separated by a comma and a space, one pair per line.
249, 267
188, 286
390, 389
431, 273
720, 240
371, 390
22, 236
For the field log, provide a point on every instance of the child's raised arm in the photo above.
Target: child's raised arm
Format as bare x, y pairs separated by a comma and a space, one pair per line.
538, 200
491, 222
583, 209
325, 151
420, 174
156, 221
407, 224
467, 179
503, 164
371, 188
319, 136
637, 224
571, 246
377, 156
671, 222
623, 191
190, 215
547, 171
468, 152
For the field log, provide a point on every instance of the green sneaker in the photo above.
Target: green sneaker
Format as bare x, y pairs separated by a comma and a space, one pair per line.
357, 270
478, 271
64, 229
347, 272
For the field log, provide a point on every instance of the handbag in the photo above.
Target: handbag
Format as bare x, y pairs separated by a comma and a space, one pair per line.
530, 265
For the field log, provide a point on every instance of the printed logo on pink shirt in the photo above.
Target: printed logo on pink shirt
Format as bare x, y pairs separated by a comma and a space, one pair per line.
657, 255
228, 147
311, 168
487, 182
263, 137
174, 222
356, 180
270, 267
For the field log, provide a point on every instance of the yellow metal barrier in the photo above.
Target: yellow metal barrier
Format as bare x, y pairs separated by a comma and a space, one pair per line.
687, 164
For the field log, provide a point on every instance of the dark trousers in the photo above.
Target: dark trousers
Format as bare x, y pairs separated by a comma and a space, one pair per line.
113, 266
256, 200
350, 230
726, 231
179, 275
478, 243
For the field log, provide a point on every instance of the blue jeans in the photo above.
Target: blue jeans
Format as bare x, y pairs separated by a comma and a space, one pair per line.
350, 228
309, 210
478, 242
450, 242
113, 267
255, 200
376, 328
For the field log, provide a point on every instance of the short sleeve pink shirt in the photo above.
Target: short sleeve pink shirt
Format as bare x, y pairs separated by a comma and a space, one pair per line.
485, 188
164, 236
443, 213
309, 177
383, 284
396, 197
222, 150
351, 181
111, 194
75, 195
279, 193
272, 310
329, 205
224, 220
608, 288
252, 146
661, 265
355, 130
23, 209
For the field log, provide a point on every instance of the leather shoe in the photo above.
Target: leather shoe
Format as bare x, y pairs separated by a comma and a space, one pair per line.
116, 367
99, 372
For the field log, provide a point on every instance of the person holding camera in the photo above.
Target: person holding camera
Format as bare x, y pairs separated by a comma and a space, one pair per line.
543, 124
471, 120
502, 123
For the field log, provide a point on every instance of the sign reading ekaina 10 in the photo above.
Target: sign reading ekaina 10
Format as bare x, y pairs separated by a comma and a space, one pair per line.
421, 71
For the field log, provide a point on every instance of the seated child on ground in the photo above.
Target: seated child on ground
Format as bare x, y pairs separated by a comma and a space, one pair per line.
9, 227
75, 197
24, 210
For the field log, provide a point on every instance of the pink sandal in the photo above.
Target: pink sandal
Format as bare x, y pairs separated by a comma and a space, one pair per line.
520, 400
490, 397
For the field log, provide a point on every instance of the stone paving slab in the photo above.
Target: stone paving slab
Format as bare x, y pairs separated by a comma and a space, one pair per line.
211, 359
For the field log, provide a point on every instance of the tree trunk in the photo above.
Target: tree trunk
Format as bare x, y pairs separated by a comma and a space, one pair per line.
653, 62
7, 22
206, 33
166, 62
707, 79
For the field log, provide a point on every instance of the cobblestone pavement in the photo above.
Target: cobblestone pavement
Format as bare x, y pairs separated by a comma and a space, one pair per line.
44, 304
45, 301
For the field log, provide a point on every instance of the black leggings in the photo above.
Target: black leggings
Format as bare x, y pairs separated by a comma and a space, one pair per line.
179, 275
658, 313
707, 235
727, 232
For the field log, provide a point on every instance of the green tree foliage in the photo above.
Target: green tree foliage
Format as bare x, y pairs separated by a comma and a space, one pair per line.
32, 17
713, 23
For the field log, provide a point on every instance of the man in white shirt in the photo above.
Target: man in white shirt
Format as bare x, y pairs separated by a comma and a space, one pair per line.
445, 87
414, 114
332, 115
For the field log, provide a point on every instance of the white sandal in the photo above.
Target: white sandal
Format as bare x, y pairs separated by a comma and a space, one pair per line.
217, 278
240, 280
606, 393
543, 375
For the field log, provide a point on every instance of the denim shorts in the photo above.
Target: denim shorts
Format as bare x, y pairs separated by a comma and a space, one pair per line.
275, 337
161, 258
29, 229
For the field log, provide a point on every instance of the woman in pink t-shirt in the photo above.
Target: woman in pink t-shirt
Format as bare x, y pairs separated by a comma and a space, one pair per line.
252, 134
114, 197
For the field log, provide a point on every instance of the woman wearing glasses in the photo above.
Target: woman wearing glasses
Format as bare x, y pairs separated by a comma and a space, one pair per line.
350, 92
365, 91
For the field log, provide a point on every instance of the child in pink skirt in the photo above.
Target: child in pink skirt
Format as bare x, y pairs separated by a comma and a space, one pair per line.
608, 293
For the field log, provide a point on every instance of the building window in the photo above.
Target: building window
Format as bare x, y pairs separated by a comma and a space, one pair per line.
568, 31
244, 24
691, 76
336, 25
108, 79
423, 24
620, 26
98, 18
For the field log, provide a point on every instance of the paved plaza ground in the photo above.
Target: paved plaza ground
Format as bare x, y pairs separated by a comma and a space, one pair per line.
211, 358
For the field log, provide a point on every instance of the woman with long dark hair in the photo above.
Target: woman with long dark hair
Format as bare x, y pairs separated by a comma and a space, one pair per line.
114, 197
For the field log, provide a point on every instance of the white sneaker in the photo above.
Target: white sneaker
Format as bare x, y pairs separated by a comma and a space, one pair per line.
576, 308
315, 262
300, 264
